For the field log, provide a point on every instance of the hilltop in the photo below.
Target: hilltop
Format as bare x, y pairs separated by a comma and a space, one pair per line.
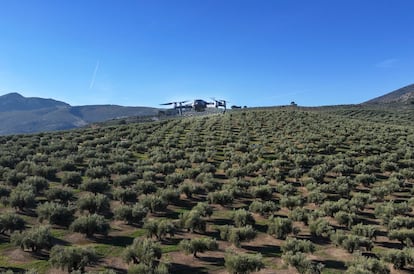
403, 95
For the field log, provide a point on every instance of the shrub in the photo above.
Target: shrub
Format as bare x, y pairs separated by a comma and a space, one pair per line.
35, 239
294, 245
96, 185
204, 209
9, 222
159, 228
154, 203
198, 245
400, 258
362, 265
63, 195
264, 192
236, 235
90, 225
222, 197
39, 183
279, 227
299, 261
71, 178
241, 217
72, 258
142, 251
243, 263
404, 235
56, 214
131, 214
263, 208
320, 227
23, 197
125, 195
192, 220
369, 231
94, 203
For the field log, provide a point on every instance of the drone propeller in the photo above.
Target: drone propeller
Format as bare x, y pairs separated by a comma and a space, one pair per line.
174, 103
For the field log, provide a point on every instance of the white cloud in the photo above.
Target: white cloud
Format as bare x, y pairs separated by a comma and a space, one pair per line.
387, 63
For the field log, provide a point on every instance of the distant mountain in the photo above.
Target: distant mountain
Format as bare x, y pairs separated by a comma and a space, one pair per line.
19, 114
403, 95
16, 102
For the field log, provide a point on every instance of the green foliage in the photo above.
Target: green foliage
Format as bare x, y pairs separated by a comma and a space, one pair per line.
61, 195
241, 217
222, 197
279, 227
291, 201
404, 235
198, 245
236, 235
345, 218
159, 228
204, 209
192, 220
389, 210
34, 239
72, 258
264, 192
98, 185
366, 265
131, 214
401, 222
145, 269
263, 208
23, 197
71, 178
239, 263
294, 245
9, 222
351, 242
94, 203
39, 183
368, 231
400, 258
90, 225
154, 203
299, 261
142, 251
320, 227
125, 195
55, 213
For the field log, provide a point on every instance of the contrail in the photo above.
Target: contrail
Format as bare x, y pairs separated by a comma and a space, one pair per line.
94, 75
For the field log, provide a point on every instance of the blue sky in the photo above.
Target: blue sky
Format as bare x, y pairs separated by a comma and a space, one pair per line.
250, 52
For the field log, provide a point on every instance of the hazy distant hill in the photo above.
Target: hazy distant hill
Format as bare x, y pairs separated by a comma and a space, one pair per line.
19, 114
16, 102
403, 95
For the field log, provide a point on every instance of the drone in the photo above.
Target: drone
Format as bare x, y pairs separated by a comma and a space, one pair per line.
198, 105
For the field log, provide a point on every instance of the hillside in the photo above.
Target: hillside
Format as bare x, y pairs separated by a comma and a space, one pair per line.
16, 102
301, 189
19, 114
403, 95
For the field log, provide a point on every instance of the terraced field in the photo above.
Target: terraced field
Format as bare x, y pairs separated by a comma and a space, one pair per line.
297, 190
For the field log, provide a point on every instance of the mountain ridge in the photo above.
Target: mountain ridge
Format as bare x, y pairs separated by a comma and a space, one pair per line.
404, 95
22, 115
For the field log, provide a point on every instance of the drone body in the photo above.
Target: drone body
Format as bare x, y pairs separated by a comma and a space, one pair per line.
198, 105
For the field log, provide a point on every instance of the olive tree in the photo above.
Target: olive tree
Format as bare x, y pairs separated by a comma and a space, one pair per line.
72, 258
34, 239
198, 245
241, 263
